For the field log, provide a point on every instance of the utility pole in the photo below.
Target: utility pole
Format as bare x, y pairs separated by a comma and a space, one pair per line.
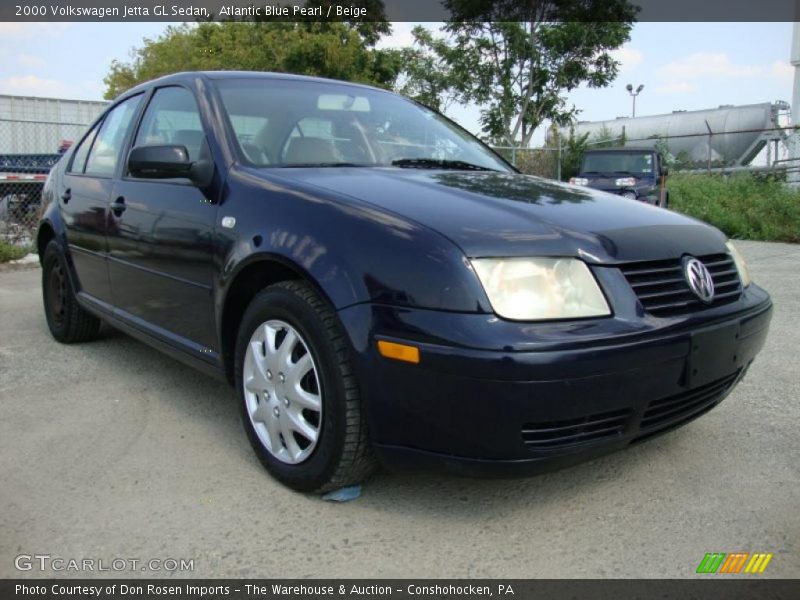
633, 94
793, 176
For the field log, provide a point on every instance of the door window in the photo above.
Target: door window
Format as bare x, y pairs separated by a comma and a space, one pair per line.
106, 149
82, 151
172, 117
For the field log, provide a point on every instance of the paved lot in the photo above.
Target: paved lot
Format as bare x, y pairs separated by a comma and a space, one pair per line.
110, 450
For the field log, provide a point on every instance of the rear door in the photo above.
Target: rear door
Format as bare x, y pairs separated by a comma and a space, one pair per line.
88, 183
160, 241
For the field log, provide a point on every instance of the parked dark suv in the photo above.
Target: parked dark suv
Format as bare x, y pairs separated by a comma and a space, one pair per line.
377, 283
635, 173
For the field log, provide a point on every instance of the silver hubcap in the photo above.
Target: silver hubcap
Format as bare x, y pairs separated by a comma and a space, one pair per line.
282, 392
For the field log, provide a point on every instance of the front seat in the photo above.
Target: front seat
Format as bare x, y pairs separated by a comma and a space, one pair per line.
302, 150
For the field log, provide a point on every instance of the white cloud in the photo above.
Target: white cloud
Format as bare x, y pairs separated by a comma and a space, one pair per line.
31, 85
702, 65
678, 87
30, 60
695, 71
783, 70
630, 58
28, 30
91, 89
400, 38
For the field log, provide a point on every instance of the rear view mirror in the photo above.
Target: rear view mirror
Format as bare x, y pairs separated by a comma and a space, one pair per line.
665, 170
343, 102
159, 162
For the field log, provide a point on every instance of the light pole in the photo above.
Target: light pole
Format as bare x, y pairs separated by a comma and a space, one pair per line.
633, 94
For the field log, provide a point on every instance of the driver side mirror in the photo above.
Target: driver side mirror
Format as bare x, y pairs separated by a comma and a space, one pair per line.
664, 171
159, 162
168, 162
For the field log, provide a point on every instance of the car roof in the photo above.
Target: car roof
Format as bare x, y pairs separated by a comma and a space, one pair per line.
185, 76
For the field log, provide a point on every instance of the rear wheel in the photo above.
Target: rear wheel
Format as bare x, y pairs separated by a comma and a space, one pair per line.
298, 394
67, 321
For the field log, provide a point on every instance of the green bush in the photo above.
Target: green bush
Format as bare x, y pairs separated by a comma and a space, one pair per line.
744, 206
10, 252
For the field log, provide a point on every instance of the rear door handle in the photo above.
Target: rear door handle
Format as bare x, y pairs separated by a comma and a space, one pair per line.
118, 206
67, 196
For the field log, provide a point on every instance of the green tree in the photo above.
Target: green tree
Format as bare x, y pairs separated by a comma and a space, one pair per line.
372, 29
572, 150
606, 138
516, 59
335, 49
426, 74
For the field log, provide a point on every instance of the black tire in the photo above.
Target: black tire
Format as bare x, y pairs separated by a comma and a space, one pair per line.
68, 322
343, 455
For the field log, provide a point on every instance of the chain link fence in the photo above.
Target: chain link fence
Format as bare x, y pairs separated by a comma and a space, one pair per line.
765, 151
34, 133
23, 173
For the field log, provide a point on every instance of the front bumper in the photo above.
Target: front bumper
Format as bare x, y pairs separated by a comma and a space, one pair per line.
568, 396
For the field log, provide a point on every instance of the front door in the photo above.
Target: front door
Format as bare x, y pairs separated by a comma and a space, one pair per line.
160, 235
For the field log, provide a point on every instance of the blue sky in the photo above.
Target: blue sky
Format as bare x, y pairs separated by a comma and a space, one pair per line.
682, 65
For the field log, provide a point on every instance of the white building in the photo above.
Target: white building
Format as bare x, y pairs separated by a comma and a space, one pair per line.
30, 125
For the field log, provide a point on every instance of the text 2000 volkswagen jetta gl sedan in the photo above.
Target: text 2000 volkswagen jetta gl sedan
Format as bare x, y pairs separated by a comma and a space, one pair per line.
379, 284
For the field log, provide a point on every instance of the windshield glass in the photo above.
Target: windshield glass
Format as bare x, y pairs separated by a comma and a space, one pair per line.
640, 163
286, 123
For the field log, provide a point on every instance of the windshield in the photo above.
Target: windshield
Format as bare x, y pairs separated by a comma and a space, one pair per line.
639, 163
285, 123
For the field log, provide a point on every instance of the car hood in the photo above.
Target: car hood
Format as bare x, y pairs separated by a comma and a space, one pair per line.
508, 214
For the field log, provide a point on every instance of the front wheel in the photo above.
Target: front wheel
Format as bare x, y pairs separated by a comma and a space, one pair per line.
298, 395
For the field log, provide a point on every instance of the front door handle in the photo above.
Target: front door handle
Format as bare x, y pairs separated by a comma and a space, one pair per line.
118, 206
67, 196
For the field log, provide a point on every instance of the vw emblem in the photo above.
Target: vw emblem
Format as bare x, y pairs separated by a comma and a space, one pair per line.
699, 279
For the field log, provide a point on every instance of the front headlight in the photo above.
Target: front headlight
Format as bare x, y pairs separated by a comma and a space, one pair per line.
534, 289
625, 181
579, 181
741, 265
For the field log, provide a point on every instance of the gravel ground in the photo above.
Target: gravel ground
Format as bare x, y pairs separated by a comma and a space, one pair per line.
111, 450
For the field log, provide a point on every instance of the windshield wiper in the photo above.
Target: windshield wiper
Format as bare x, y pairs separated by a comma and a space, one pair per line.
435, 163
323, 165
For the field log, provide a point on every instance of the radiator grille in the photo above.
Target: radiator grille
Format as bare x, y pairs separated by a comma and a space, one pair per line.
663, 291
591, 428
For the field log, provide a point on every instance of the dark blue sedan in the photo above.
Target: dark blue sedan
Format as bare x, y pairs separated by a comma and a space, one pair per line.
381, 287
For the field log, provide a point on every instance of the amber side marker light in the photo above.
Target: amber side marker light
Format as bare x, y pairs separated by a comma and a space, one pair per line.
399, 351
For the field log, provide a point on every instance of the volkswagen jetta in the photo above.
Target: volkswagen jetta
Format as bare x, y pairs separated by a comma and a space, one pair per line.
380, 286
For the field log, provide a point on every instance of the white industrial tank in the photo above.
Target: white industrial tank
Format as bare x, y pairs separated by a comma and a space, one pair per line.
738, 131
